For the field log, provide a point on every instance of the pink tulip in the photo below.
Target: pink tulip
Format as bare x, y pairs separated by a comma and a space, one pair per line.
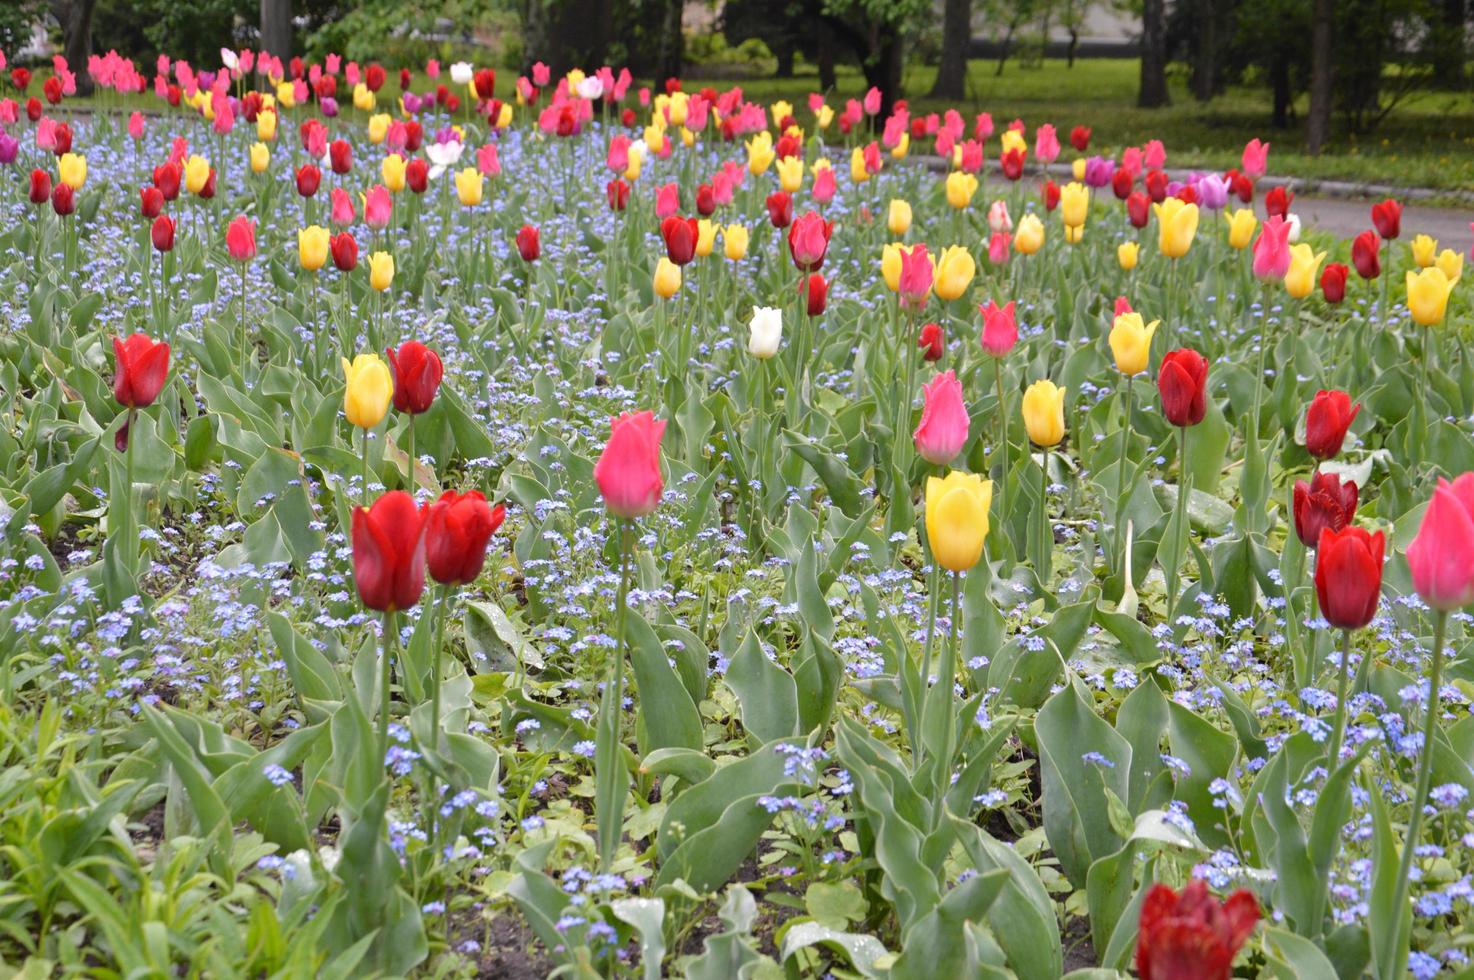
487, 161
721, 188
240, 239
944, 420
618, 159
378, 206
824, 186
1272, 249
1000, 329
872, 158
540, 74
916, 276
945, 142
667, 200
342, 215
1131, 162
1441, 557
1046, 144
135, 126
872, 101
1000, 248
1256, 158
998, 218
628, 471
972, 157
1155, 154
1123, 305
982, 126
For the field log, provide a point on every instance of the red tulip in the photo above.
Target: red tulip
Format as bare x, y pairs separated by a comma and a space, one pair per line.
706, 200
63, 137
150, 202
618, 193
208, 191
142, 367
1326, 421
1366, 255
34, 109
485, 83
389, 552
162, 233
1139, 209
40, 186
20, 78
808, 241
787, 145
1182, 381
1191, 936
680, 236
416, 174
627, 117
414, 135
1051, 195
1324, 502
1387, 219
340, 155
1333, 282
1013, 164
932, 343
1348, 576
816, 293
1121, 183
51, 88
166, 179
780, 209
1155, 182
417, 373
62, 200
344, 248
1187, 194
628, 471
528, 245
1080, 138
309, 178
240, 239
1277, 202
374, 77
1441, 557
458, 528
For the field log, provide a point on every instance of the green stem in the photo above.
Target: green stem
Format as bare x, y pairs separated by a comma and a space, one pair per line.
385, 680
365, 474
410, 470
435, 662
1046, 533
1121, 464
1003, 444
1180, 538
130, 534
610, 778
946, 675
1420, 794
245, 332
1338, 729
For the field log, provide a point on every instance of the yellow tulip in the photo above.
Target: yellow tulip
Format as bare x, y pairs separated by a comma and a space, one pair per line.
1177, 224
890, 265
679, 106
1427, 295
1074, 235
1012, 139
902, 147
1028, 237
285, 95
899, 218
654, 137
392, 170
957, 518
1452, 264
381, 270
72, 168
368, 390
734, 242
1126, 255
1044, 412
954, 271
760, 153
667, 278
364, 99
260, 157
469, 186
378, 127
1241, 225
706, 236
825, 116
196, 173
632, 168
859, 173
312, 247
1077, 169
781, 109
960, 189
1074, 204
791, 174
1304, 264
266, 125
1425, 247
504, 118
688, 138
1131, 342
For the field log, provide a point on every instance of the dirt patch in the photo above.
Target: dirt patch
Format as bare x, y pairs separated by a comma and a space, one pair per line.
510, 951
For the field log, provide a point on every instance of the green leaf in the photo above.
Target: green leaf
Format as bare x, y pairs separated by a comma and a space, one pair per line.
834, 906
766, 692
862, 951
647, 915
669, 716
1293, 957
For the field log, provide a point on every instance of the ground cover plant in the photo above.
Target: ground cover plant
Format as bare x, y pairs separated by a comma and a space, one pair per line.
553, 526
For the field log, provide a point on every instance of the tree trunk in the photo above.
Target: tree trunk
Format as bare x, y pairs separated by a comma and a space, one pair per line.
1318, 123
956, 37
1280, 81
276, 28
672, 42
883, 69
75, 18
1153, 93
1205, 64
1006, 47
784, 54
1450, 45
826, 56
1074, 47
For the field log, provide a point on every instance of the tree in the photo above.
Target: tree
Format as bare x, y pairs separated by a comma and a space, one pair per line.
1153, 90
1318, 123
951, 80
876, 31
276, 28
75, 18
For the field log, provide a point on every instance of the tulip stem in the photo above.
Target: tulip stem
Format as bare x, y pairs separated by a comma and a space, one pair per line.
1046, 532
1180, 535
1121, 462
1003, 444
1389, 966
435, 659
130, 534
946, 676
933, 590
411, 468
365, 474
385, 680
245, 331
1338, 728
610, 777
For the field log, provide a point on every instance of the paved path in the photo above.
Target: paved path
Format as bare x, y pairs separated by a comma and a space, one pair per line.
1346, 218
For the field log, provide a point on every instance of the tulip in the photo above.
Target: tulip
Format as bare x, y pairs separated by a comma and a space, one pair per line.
341, 213
1127, 254
780, 209
1277, 202
393, 170
1000, 248
240, 239
72, 169
1272, 250
417, 374
998, 219
932, 342
765, 332
1451, 264
957, 518
1012, 163
944, 420
1241, 225
960, 189
63, 200
667, 279
1441, 557
890, 265
458, 528
1182, 381
1131, 342
1333, 282
309, 178
815, 290
915, 276
1122, 183
1050, 193
417, 175
734, 242
345, 251
1427, 295
1178, 223
1304, 265
469, 186
808, 241
142, 366
40, 187
1425, 249
1366, 255
528, 244
628, 470
368, 390
260, 158
1139, 209
1348, 576
760, 154
1326, 421
954, 271
1387, 219
1000, 329
618, 193
313, 245
1325, 503
1080, 138
381, 270
1044, 413
680, 239
162, 233
1030, 235
196, 172
1255, 159
1191, 935
790, 174
898, 220
1074, 200
266, 125
389, 554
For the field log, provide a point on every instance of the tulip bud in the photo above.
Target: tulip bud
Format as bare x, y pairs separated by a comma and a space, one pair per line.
1182, 382
628, 470
957, 519
1043, 409
765, 332
162, 233
417, 375
141, 369
528, 245
932, 342
345, 251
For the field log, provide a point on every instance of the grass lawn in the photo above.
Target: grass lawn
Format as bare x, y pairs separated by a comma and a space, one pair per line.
1428, 141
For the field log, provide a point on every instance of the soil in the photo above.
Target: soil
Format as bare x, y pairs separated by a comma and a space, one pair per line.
510, 951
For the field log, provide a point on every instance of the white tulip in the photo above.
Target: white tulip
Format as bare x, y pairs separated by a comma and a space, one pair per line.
443, 156
1293, 220
767, 332
998, 218
229, 59
461, 72
590, 88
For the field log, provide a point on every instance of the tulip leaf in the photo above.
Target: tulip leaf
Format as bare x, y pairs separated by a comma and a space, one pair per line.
667, 713
766, 692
